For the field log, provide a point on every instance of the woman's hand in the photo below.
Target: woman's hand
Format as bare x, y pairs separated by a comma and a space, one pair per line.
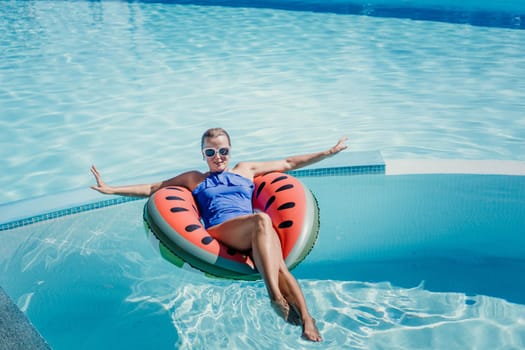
101, 185
340, 145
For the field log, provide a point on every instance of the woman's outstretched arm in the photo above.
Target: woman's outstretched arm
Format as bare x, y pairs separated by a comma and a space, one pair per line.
188, 180
290, 163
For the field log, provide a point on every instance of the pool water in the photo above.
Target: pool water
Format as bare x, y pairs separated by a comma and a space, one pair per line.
131, 86
93, 279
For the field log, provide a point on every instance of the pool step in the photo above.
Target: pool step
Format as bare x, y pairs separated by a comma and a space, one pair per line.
16, 332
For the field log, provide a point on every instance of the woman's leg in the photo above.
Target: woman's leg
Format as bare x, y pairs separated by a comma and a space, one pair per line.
251, 232
256, 232
294, 295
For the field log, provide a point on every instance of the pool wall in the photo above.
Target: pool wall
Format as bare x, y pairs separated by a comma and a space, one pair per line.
466, 5
506, 14
362, 6
417, 216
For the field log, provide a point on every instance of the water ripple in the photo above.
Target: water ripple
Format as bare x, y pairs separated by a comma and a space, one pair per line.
135, 102
95, 276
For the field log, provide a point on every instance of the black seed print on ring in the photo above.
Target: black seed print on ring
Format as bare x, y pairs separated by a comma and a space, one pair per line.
231, 251
192, 227
174, 198
260, 189
286, 224
207, 240
286, 205
270, 201
280, 178
178, 209
284, 187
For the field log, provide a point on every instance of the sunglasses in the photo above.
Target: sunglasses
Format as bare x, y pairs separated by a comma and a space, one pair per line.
210, 152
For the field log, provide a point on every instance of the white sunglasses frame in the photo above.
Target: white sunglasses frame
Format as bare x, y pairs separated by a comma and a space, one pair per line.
216, 151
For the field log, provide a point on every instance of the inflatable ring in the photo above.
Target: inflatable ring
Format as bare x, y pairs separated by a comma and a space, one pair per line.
172, 215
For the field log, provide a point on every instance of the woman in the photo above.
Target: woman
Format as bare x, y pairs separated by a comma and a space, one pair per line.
224, 199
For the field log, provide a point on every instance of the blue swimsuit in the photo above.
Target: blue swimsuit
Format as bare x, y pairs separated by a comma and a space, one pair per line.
223, 196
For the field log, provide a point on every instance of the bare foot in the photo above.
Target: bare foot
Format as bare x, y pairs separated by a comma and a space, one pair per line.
310, 331
294, 317
281, 307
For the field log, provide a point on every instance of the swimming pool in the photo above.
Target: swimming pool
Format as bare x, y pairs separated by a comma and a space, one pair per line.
430, 88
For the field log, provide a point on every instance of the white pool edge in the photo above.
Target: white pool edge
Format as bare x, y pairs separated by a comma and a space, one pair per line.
454, 166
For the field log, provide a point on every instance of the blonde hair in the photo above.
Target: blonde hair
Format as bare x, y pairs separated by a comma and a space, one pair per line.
214, 132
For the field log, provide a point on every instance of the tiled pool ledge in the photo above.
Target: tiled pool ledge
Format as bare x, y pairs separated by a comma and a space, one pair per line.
33, 219
33, 210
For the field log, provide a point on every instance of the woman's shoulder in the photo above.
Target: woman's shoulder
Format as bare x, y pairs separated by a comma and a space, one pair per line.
189, 179
253, 169
195, 177
244, 169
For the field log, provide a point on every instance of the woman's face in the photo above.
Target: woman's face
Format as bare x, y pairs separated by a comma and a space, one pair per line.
216, 152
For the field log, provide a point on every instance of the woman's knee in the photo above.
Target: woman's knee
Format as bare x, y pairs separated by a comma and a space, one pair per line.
263, 220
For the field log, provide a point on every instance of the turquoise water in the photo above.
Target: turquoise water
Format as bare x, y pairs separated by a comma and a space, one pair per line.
92, 280
130, 86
